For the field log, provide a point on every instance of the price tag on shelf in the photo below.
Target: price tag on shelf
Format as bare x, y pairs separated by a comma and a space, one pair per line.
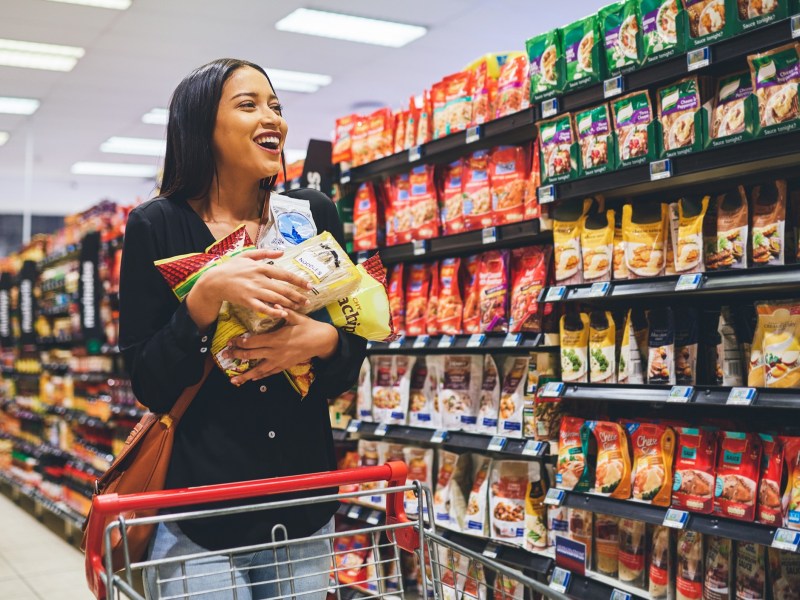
369, 345
353, 426
689, 282
362, 256
552, 389
374, 517
619, 595
497, 443
698, 59
681, 394
446, 341
420, 342
549, 108
660, 169
473, 134
795, 26
786, 539
354, 512
512, 340
612, 87
439, 436
676, 519
599, 289
420, 247
491, 551
476, 340
397, 343
555, 294
560, 580
489, 235
534, 448
381, 430
741, 396
414, 154
546, 194
344, 177
555, 497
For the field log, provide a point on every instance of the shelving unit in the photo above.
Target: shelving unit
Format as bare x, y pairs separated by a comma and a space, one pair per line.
478, 343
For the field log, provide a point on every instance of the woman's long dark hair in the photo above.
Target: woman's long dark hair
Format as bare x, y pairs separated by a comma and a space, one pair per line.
189, 166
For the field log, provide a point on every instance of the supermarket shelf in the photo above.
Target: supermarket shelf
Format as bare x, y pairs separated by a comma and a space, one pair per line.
594, 586
359, 512
69, 252
757, 280
437, 344
525, 233
59, 509
513, 556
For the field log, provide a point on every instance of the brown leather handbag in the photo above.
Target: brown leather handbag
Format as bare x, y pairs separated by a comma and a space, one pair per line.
142, 466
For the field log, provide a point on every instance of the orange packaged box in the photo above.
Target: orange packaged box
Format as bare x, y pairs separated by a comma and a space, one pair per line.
612, 475
471, 321
359, 147
380, 134
458, 99
653, 451
402, 209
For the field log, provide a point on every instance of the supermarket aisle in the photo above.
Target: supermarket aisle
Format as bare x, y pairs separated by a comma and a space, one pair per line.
36, 564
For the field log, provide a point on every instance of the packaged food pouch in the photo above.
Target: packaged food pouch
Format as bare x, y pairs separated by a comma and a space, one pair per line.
397, 301
644, 232
689, 249
432, 308
400, 123
660, 34
729, 245
424, 204
508, 588
775, 358
593, 128
575, 347
769, 223
784, 573
776, 75
705, 16
572, 469
493, 290
477, 515
606, 541
619, 24
482, 110
612, 475
751, 571
417, 294
730, 109
582, 47
451, 305
439, 108
632, 552
342, 150
459, 492
391, 387
453, 199
458, 110
454, 568
620, 266
532, 208
769, 511
509, 484
477, 205
602, 347
661, 347
672, 238
444, 480
489, 408
695, 465
420, 468
791, 496
460, 391
632, 115
557, 523
412, 123
547, 413
661, 571
507, 179
677, 105
364, 398
689, 582
404, 229
653, 450
629, 368
568, 219
380, 137
718, 568
722, 364
536, 515
422, 392
529, 271
475, 587
687, 336
545, 71
580, 530
597, 245
471, 322
369, 456
738, 465
358, 143
425, 125
556, 137
510, 86
512, 396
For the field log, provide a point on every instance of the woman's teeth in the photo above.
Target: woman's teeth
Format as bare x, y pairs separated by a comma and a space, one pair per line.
268, 141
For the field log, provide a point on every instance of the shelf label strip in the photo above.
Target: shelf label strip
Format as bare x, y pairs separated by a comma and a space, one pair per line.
599, 289
698, 59
381, 430
414, 154
446, 341
398, 343
555, 497
497, 443
439, 436
534, 448
420, 342
691, 281
676, 519
681, 394
549, 108
512, 340
473, 134
489, 235
560, 580
476, 340
742, 396
555, 294
620, 595
796, 26
420, 247
546, 194
353, 426
786, 539
552, 389
612, 87
660, 169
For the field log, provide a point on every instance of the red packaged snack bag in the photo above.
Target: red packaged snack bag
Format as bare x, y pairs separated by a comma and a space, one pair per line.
425, 123
791, 497
386, 203
439, 106
493, 291
358, 143
458, 110
532, 209
453, 199
412, 120
402, 209
400, 124
507, 181
365, 218
471, 321
342, 140
738, 466
432, 308
481, 102
417, 289
477, 191
510, 86
769, 489
529, 268
397, 301
380, 140
424, 203
450, 304
695, 464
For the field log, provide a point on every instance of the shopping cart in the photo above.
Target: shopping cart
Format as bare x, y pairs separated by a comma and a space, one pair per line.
447, 570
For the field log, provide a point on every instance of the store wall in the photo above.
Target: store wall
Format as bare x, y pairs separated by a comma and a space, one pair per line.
11, 229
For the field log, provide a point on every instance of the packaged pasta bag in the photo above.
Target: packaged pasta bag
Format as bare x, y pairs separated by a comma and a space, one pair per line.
695, 464
509, 484
489, 407
364, 396
471, 322
582, 47
358, 143
593, 128
644, 231
769, 223
432, 308
705, 16
536, 515
556, 139
606, 541
620, 27
689, 249
510, 86
632, 552
791, 496
633, 114
568, 219
575, 347
776, 75
477, 515
653, 450
662, 570
493, 285
453, 198
612, 475
545, 72
391, 387
458, 110
532, 210
460, 391
401, 203
602, 347
507, 180
597, 245
416, 297
784, 573
629, 367
689, 581
529, 272
451, 305
397, 301
620, 266
444, 480
422, 394
512, 396
769, 511
751, 571
729, 117
661, 347
420, 468
481, 98
424, 203
365, 218
477, 204
687, 336
571, 470
677, 105
775, 357
660, 35
728, 245
342, 142
738, 466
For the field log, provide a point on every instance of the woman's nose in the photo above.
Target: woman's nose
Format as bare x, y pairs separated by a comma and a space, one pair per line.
270, 117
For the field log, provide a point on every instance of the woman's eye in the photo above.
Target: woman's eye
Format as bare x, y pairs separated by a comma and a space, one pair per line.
277, 108
247, 105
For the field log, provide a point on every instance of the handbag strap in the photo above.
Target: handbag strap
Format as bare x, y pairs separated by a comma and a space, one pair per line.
185, 399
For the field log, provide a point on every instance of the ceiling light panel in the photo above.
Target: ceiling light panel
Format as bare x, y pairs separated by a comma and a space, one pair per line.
4, 135
157, 116
351, 28
18, 106
33, 55
114, 169
137, 146
113, 4
297, 81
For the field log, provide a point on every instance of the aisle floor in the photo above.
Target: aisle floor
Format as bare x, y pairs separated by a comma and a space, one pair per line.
35, 563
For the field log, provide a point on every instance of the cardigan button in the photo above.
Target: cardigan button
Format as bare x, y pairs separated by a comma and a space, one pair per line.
204, 339
271, 435
203, 350
262, 389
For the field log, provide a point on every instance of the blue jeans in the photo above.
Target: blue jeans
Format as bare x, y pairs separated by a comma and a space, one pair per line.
245, 576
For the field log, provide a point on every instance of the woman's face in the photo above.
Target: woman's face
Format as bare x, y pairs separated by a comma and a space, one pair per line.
250, 132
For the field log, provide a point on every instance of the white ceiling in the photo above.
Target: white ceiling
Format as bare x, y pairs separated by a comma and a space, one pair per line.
135, 58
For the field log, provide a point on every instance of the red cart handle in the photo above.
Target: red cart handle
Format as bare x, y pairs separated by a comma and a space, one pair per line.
395, 473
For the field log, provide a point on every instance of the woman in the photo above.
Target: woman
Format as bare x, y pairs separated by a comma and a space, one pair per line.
224, 146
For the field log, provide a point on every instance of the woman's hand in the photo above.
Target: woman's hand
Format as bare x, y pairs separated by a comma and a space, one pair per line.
300, 340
